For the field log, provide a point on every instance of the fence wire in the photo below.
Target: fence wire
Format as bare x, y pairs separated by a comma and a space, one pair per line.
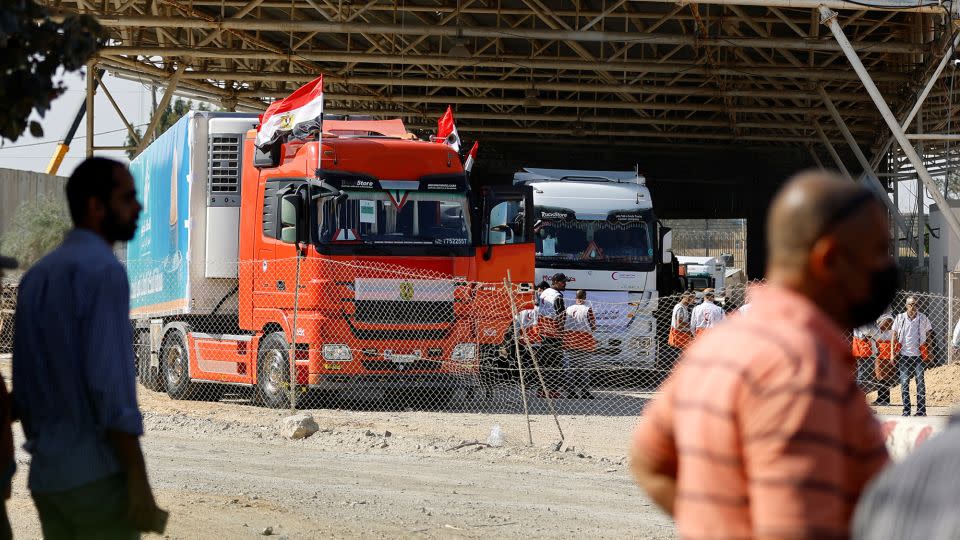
304, 333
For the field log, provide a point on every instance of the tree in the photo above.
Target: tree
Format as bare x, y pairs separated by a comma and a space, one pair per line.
34, 49
37, 227
168, 117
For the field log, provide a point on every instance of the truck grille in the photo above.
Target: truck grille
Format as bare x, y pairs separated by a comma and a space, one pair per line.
385, 365
403, 312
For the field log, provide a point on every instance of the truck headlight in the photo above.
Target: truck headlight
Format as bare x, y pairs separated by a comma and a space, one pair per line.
464, 352
337, 352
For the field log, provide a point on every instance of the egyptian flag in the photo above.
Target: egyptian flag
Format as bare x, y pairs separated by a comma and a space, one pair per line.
299, 113
471, 157
447, 131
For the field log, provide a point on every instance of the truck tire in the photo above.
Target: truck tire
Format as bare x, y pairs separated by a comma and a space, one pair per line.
175, 365
149, 377
273, 372
490, 371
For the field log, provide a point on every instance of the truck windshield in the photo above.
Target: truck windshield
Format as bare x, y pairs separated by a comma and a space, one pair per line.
395, 217
579, 243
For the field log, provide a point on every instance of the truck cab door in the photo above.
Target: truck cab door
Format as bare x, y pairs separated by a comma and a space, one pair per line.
505, 236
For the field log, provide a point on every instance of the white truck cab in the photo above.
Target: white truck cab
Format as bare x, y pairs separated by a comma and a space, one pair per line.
599, 229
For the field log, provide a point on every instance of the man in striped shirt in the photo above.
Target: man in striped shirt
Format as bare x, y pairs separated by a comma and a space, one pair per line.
762, 432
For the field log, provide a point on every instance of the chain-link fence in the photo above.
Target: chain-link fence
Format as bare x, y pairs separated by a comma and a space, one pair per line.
337, 334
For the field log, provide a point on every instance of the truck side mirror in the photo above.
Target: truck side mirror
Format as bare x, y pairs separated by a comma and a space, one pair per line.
666, 245
291, 210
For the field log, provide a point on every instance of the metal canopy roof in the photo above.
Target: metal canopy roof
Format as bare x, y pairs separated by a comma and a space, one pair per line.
517, 70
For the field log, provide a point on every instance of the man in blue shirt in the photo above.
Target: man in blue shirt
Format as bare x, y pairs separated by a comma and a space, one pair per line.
73, 369
7, 465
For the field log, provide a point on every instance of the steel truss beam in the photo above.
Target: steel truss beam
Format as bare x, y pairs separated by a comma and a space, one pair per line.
589, 36
829, 18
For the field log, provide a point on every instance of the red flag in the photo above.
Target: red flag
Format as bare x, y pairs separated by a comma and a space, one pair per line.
471, 157
300, 112
447, 131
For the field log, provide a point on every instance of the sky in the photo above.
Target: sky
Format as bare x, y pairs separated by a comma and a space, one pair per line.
33, 154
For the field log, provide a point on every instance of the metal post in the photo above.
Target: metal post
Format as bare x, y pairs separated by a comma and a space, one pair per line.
816, 158
895, 182
920, 220
293, 335
829, 17
950, 315
148, 133
868, 173
832, 151
91, 88
508, 287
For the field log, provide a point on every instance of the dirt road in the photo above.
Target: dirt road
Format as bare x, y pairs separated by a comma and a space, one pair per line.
224, 472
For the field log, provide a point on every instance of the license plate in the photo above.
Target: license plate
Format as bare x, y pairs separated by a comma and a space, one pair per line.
401, 358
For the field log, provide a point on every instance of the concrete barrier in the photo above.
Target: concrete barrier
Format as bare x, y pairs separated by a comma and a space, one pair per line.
904, 433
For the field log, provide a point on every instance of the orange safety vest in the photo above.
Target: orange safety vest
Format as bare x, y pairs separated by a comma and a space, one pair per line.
884, 367
861, 348
885, 351
531, 333
578, 340
679, 339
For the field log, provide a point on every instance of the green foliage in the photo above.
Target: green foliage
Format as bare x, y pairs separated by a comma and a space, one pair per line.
37, 228
169, 117
34, 49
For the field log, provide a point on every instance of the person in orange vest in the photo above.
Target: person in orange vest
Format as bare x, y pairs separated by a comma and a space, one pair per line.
886, 363
681, 334
579, 342
864, 352
551, 315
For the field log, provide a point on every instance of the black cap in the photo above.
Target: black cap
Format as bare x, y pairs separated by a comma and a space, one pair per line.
8, 263
558, 277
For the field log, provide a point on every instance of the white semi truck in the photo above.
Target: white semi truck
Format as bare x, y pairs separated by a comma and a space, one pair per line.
599, 229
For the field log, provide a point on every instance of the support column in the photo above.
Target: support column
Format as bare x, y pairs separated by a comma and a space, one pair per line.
832, 151
895, 182
920, 217
816, 158
869, 175
91, 89
829, 18
148, 134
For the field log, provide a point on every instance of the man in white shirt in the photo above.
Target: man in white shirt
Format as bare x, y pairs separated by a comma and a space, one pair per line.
579, 344
912, 330
706, 315
681, 334
551, 315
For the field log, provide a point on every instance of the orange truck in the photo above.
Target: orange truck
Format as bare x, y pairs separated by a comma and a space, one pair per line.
361, 261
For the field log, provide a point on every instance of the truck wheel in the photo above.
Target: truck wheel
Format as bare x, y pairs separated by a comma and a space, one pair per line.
273, 372
148, 376
489, 372
175, 365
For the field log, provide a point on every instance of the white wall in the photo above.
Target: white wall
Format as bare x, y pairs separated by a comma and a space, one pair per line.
944, 251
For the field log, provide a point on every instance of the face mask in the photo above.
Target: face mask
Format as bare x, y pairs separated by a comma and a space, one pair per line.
883, 287
117, 230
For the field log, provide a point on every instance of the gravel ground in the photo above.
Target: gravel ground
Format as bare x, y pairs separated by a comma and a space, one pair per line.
223, 471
